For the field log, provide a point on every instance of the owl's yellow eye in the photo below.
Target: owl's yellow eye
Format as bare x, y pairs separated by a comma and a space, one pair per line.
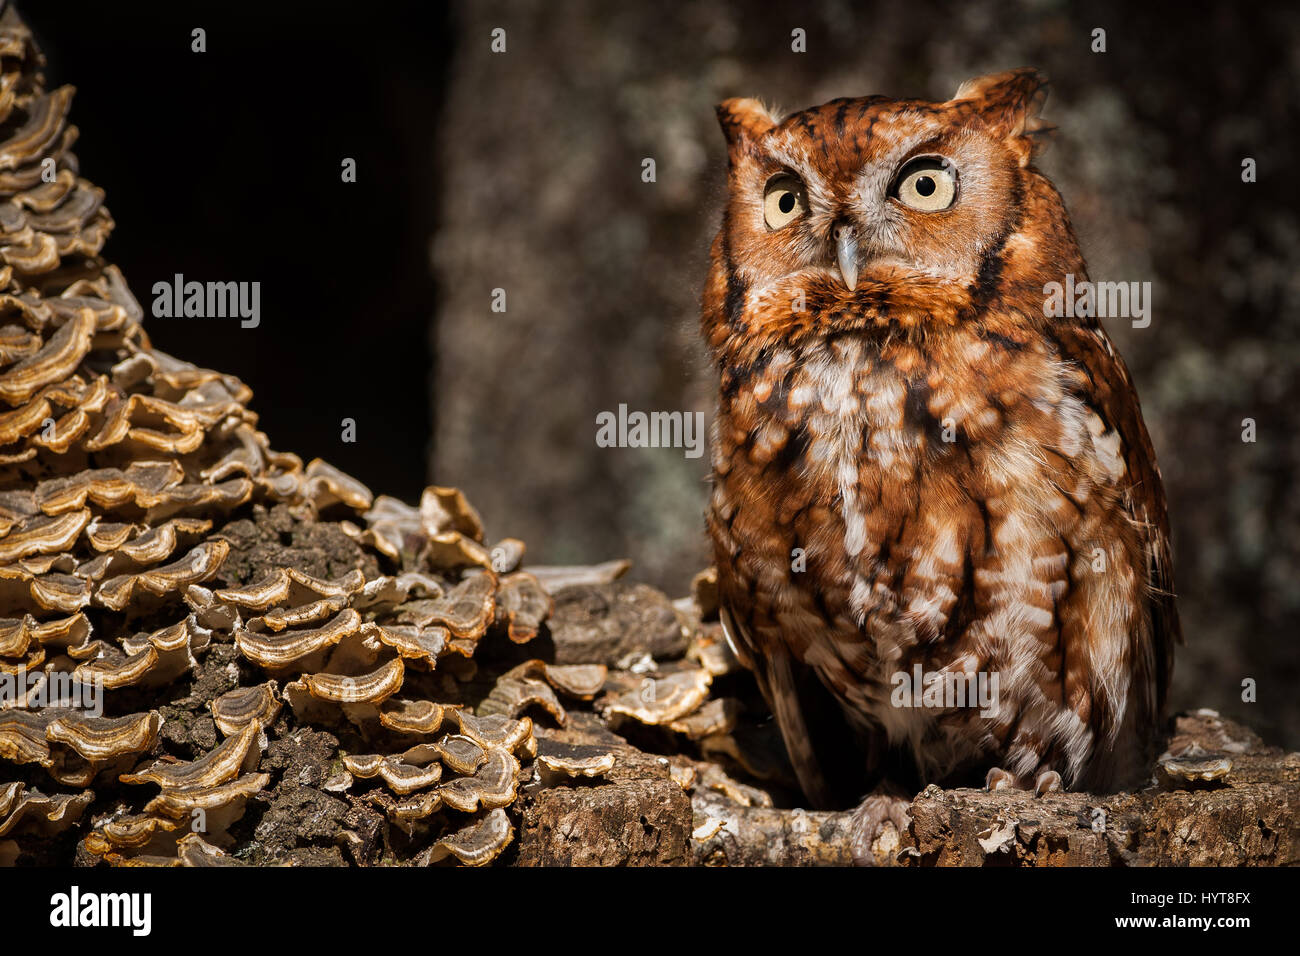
927, 183
784, 201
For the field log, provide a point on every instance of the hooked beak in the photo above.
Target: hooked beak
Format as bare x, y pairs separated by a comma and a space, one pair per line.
846, 253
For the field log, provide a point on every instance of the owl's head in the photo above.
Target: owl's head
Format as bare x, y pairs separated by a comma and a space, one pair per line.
860, 191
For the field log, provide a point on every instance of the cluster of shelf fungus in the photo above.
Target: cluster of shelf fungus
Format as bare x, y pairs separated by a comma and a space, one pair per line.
122, 473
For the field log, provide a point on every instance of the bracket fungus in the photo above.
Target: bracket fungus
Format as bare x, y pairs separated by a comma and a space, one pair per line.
477, 844
569, 760
400, 776
135, 489
83, 747
663, 700
24, 808
239, 708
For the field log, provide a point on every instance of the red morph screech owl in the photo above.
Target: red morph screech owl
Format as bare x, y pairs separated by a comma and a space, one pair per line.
918, 468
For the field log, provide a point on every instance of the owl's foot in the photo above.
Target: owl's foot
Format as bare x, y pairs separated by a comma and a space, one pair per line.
1045, 781
877, 827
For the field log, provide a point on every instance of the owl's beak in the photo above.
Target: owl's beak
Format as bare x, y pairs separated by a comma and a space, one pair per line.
846, 252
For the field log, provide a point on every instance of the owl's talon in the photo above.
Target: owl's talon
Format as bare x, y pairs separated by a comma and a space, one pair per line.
1049, 781
999, 779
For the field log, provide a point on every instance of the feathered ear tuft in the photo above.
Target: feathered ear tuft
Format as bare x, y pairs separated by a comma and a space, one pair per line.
1010, 104
743, 121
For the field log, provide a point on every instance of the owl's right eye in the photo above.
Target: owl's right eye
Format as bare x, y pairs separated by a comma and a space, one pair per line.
784, 201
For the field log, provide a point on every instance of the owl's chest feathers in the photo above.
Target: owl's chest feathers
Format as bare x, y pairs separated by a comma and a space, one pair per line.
835, 430
846, 472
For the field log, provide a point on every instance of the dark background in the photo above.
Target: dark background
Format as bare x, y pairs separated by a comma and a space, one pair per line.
522, 171
226, 165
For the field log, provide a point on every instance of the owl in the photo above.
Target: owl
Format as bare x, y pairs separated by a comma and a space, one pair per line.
939, 527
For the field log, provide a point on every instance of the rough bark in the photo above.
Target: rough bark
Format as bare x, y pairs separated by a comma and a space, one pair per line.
1250, 818
636, 816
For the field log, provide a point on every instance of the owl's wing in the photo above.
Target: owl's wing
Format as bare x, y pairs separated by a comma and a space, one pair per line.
1110, 393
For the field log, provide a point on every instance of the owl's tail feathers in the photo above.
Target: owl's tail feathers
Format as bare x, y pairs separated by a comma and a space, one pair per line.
776, 679
782, 694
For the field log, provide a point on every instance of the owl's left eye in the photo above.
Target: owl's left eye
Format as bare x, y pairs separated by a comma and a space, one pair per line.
927, 183
784, 201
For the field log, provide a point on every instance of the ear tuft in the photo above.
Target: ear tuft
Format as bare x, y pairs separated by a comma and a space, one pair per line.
1010, 104
743, 121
